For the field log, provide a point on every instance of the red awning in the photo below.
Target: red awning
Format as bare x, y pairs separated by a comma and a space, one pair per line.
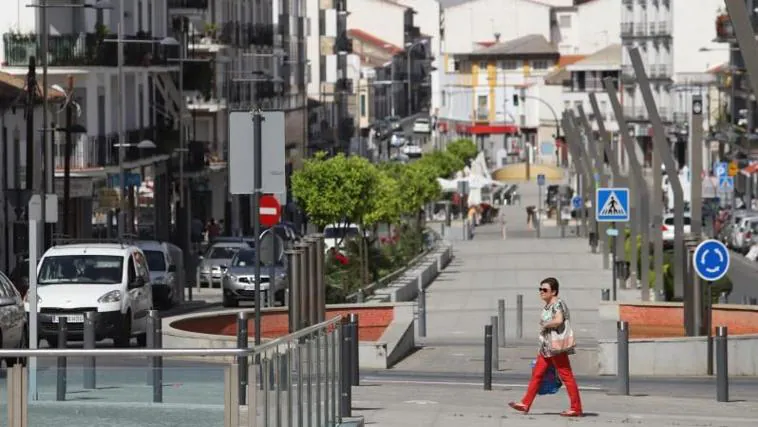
491, 129
751, 169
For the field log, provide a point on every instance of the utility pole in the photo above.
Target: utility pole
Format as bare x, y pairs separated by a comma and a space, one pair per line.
257, 190
121, 119
31, 95
67, 156
45, 163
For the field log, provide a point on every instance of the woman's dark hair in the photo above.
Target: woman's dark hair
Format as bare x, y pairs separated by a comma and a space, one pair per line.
552, 282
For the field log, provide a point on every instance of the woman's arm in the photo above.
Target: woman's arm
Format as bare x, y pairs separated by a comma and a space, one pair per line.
557, 321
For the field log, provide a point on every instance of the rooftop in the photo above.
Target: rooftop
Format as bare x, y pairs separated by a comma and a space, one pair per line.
14, 86
609, 56
373, 40
532, 44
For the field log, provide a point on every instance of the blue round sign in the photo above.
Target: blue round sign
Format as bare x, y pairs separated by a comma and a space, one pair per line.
576, 202
711, 260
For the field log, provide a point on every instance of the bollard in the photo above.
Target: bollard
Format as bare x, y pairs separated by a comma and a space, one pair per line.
321, 276
150, 343
495, 344
313, 301
421, 309
303, 295
501, 322
622, 364
157, 333
89, 344
293, 287
346, 393
744, 300
605, 294
753, 301
242, 343
60, 388
488, 357
723, 298
722, 367
520, 316
354, 358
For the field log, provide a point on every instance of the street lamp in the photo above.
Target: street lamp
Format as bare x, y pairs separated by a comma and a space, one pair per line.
166, 41
409, 49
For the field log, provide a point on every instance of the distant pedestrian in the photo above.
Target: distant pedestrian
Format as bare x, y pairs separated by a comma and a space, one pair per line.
556, 344
503, 222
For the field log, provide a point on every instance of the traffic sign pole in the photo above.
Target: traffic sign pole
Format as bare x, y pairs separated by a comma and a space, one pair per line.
540, 184
710, 261
614, 275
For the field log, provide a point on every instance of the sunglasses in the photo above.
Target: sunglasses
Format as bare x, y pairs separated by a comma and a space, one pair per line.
544, 290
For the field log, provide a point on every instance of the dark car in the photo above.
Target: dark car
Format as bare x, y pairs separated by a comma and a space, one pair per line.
20, 277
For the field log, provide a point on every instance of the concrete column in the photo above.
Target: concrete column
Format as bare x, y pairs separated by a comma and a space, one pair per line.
92, 111
110, 105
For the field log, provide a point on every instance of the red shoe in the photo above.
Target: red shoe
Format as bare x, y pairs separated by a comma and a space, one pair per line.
519, 407
571, 413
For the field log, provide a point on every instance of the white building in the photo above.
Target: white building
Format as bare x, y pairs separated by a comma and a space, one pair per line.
586, 27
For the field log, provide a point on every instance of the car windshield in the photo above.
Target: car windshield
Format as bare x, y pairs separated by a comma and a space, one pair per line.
244, 258
340, 232
222, 252
156, 261
670, 220
94, 269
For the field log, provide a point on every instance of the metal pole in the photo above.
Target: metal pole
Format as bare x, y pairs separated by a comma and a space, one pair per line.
708, 303
257, 184
121, 122
242, 342
312, 282
355, 355
722, 367
601, 179
186, 237
488, 357
60, 389
696, 166
421, 308
321, 277
519, 316
495, 346
303, 296
409, 101
272, 270
501, 322
32, 298
158, 363
293, 279
614, 268
89, 343
642, 193
539, 210
47, 150
67, 156
346, 393
622, 363
150, 343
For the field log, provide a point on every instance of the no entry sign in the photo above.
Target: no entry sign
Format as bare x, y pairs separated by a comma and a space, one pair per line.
270, 210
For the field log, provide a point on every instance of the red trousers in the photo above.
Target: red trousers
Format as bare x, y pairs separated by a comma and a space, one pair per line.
563, 366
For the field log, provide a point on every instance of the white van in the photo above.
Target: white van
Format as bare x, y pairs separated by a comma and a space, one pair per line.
110, 279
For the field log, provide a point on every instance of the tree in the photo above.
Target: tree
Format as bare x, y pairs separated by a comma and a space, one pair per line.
419, 186
464, 149
334, 190
386, 200
443, 163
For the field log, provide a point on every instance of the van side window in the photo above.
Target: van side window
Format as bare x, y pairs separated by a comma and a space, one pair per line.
132, 271
141, 264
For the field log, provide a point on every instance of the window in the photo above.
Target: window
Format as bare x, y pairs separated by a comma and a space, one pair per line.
82, 269
141, 264
156, 261
244, 258
363, 105
308, 73
456, 65
577, 104
604, 108
564, 21
539, 64
482, 65
566, 105
510, 64
132, 274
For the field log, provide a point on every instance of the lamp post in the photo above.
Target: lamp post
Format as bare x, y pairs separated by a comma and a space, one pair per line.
167, 41
408, 51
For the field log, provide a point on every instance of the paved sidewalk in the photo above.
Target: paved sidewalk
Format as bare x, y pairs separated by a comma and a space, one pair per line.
464, 297
409, 406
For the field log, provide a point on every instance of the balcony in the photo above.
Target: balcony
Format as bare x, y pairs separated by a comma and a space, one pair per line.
680, 118
627, 29
482, 114
639, 29
86, 49
245, 35
664, 28
627, 3
664, 114
652, 28
635, 113
199, 76
103, 151
188, 4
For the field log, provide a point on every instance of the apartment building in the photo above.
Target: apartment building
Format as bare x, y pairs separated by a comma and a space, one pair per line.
499, 90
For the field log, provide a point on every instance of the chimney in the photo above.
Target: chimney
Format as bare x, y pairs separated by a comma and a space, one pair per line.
497, 37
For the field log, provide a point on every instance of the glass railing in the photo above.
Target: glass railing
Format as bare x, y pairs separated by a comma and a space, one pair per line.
297, 379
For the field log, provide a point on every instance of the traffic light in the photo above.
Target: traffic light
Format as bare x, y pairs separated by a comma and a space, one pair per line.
515, 100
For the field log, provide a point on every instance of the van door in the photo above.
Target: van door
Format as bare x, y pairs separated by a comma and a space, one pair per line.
144, 300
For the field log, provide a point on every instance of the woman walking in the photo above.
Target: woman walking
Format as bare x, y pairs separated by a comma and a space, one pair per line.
556, 343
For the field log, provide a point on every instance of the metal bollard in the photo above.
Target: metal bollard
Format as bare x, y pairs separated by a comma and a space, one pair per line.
753, 301
605, 294
520, 316
346, 393
293, 289
622, 363
355, 357
488, 357
242, 343
421, 309
158, 360
501, 322
495, 344
321, 277
60, 388
744, 300
150, 343
89, 344
722, 367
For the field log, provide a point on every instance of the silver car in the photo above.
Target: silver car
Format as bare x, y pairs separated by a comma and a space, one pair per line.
239, 280
216, 259
12, 319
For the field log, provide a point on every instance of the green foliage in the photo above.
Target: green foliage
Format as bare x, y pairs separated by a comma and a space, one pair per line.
464, 149
386, 203
443, 163
335, 189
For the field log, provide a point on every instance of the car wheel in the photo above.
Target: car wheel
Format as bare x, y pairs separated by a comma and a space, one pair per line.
230, 302
124, 338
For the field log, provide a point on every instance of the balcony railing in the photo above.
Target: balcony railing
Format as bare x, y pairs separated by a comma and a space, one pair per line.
680, 117
103, 150
627, 28
244, 35
664, 28
639, 29
652, 28
87, 49
665, 114
188, 4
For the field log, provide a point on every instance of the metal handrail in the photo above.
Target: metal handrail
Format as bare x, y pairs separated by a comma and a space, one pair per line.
169, 352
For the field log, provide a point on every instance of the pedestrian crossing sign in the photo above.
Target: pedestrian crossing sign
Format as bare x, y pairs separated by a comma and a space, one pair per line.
612, 205
726, 182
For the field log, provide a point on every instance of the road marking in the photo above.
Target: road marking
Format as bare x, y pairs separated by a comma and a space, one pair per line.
458, 354
501, 385
421, 402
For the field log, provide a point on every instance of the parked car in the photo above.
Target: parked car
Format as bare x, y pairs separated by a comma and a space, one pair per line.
394, 122
13, 329
667, 229
239, 280
422, 125
746, 234
167, 291
398, 140
740, 220
336, 234
216, 259
20, 277
412, 150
